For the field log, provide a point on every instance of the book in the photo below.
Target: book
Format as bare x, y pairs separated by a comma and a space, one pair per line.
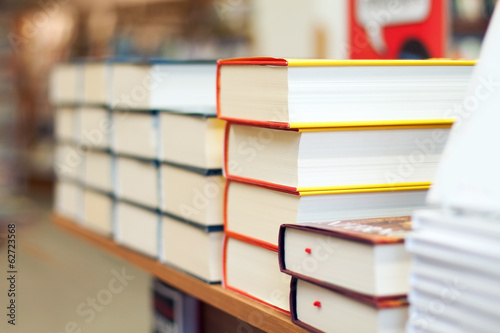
195, 196
299, 93
320, 309
144, 142
365, 256
98, 212
173, 310
191, 140
96, 82
334, 158
69, 162
138, 181
193, 249
99, 170
68, 199
65, 84
257, 212
94, 127
65, 124
138, 228
253, 271
164, 85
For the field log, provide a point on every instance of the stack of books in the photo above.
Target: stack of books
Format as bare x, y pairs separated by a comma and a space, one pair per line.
456, 245
321, 140
66, 97
347, 269
151, 158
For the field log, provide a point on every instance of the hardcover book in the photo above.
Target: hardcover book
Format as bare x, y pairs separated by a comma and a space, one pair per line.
99, 170
164, 85
191, 140
96, 82
66, 124
138, 181
300, 93
253, 271
135, 134
258, 212
69, 162
138, 228
365, 256
192, 248
98, 211
335, 158
94, 127
68, 200
66, 83
195, 196
320, 309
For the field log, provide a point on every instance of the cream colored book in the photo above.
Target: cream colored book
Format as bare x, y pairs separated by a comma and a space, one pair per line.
136, 134
137, 228
138, 181
98, 212
193, 249
191, 140
192, 196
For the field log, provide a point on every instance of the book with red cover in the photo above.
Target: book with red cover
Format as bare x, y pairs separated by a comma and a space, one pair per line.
364, 256
256, 211
321, 93
252, 270
314, 160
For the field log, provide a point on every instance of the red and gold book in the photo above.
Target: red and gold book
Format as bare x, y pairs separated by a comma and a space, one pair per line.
319, 93
312, 161
256, 212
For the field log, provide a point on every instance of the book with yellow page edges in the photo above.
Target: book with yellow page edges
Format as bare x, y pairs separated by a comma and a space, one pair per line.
335, 158
300, 93
256, 212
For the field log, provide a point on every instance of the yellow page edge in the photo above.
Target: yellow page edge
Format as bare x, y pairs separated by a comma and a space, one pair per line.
385, 124
379, 62
364, 188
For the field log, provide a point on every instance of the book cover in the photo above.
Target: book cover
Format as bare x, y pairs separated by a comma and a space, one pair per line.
248, 151
268, 286
374, 231
277, 119
371, 232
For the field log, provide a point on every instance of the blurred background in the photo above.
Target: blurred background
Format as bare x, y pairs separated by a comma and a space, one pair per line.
36, 34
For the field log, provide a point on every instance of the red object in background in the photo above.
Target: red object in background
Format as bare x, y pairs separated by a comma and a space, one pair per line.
417, 38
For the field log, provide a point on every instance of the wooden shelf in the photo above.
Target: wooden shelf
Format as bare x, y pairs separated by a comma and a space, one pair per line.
241, 307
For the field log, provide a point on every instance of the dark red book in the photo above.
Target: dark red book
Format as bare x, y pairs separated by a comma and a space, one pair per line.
364, 256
